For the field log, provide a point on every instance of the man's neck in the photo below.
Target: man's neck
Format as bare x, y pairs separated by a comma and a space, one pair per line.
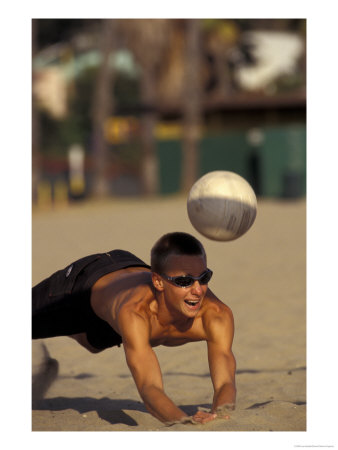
167, 318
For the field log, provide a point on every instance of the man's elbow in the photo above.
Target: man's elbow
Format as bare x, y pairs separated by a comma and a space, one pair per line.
81, 338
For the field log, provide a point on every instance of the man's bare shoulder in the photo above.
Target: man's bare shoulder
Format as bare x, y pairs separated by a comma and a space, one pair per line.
217, 317
214, 307
137, 302
114, 290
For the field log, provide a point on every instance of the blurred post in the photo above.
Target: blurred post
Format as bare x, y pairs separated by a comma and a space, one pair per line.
255, 139
76, 158
192, 104
102, 108
148, 122
35, 123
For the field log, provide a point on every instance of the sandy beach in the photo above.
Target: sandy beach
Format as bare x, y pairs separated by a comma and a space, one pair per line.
261, 276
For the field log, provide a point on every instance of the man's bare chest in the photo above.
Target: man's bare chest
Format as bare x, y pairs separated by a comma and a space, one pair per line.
172, 336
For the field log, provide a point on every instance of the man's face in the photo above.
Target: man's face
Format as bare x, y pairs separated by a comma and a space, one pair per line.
188, 300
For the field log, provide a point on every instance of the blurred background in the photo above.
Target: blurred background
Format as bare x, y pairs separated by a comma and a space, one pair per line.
133, 112
144, 107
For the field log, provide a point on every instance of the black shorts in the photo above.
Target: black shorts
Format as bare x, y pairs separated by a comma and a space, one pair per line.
61, 303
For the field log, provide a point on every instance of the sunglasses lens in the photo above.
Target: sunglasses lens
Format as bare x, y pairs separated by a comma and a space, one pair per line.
183, 281
188, 281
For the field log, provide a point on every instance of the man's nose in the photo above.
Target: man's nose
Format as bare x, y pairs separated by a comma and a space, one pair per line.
196, 287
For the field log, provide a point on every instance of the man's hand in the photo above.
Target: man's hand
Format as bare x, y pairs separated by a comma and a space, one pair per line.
220, 413
204, 417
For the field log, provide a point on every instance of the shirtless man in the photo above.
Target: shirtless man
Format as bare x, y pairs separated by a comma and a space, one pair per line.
112, 298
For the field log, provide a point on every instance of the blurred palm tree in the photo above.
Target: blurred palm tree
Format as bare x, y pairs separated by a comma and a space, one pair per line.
192, 103
148, 40
101, 109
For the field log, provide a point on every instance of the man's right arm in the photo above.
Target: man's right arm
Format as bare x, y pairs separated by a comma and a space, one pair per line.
144, 366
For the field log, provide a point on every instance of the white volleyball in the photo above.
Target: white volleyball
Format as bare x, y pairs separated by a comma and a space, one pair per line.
222, 205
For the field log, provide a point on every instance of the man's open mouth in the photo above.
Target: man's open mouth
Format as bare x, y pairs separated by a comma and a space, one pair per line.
192, 303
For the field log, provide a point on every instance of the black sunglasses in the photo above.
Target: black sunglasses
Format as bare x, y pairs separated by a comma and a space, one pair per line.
188, 280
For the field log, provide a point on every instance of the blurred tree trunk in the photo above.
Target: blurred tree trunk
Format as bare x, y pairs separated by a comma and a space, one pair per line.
192, 104
148, 40
35, 123
102, 108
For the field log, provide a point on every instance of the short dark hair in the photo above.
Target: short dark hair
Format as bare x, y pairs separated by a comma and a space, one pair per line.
177, 243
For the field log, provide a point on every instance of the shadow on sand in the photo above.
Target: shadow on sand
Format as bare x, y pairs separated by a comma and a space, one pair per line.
110, 410
107, 409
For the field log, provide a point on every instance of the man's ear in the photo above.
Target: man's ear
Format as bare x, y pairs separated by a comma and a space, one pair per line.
157, 281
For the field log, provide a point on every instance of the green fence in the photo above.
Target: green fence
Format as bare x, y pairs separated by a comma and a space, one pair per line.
275, 165
283, 162
170, 165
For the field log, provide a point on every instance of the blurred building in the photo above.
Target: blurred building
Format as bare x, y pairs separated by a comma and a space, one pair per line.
253, 103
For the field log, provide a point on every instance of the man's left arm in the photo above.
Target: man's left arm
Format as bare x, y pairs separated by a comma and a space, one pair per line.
222, 363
